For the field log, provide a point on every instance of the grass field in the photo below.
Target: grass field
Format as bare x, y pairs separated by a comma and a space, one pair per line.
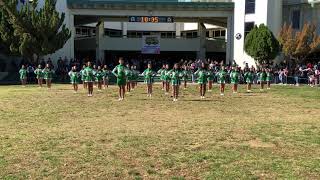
55, 134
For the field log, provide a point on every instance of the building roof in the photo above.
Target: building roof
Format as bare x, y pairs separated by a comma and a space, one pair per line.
152, 4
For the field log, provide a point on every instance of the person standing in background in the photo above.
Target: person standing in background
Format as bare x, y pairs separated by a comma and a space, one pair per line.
148, 79
249, 76
74, 78
89, 78
23, 75
83, 77
98, 74
48, 75
119, 72
39, 75
234, 76
202, 74
175, 76
222, 79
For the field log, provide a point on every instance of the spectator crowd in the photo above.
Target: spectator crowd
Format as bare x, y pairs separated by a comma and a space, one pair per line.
305, 73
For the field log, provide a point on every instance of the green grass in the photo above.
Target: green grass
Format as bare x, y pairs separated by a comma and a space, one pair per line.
55, 134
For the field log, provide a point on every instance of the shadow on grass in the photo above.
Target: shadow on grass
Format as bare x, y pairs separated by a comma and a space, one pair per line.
199, 100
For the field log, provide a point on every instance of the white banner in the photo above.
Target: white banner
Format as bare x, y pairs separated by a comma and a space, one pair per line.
151, 44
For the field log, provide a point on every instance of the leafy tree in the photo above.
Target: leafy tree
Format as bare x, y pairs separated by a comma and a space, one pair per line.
298, 45
261, 44
32, 31
7, 39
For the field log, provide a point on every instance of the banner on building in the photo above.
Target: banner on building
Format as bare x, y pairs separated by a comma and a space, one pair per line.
150, 44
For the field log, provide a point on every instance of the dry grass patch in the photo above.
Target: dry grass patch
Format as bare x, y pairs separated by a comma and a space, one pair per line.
55, 134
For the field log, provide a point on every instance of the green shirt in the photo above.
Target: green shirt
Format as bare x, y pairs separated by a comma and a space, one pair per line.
262, 76
175, 74
162, 73
166, 76
120, 72
23, 73
129, 74
48, 73
74, 77
148, 73
210, 75
248, 76
234, 76
89, 74
222, 77
185, 75
98, 74
268, 76
202, 76
257, 75
39, 73
83, 75
106, 73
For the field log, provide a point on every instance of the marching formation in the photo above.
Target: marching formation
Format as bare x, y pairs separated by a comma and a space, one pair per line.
127, 77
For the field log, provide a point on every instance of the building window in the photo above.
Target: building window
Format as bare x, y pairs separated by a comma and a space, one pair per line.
131, 34
208, 34
189, 35
217, 33
250, 6
295, 19
248, 27
78, 31
194, 34
139, 34
84, 32
223, 33
146, 33
113, 33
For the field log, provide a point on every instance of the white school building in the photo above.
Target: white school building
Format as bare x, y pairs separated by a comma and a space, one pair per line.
195, 28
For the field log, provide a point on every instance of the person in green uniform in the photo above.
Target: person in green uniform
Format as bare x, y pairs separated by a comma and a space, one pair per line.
166, 77
268, 78
39, 75
221, 75
128, 73
23, 75
106, 74
74, 78
234, 76
98, 74
262, 78
149, 79
89, 78
48, 75
202, 74
161, 72
210, 78
119, 72
175, 75
249, 77
83, 77
185, 76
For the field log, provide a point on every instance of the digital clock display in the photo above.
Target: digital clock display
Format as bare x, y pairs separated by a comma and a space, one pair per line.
151, 19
